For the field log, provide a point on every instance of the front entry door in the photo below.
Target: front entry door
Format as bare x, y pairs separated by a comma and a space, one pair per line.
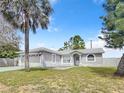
76, 60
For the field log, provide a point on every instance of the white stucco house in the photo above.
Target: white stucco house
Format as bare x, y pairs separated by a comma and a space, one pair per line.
44, 57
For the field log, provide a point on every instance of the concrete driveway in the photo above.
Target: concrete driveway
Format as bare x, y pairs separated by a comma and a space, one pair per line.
4, 69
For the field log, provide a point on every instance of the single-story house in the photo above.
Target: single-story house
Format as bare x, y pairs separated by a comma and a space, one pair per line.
49, 58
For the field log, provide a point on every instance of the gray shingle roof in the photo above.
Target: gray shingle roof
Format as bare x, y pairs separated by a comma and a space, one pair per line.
40, 49
83, 51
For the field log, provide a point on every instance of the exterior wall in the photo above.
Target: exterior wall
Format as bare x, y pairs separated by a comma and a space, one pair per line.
111, 62
58, 58
6, 62
47, 56
105, 62
46, 59
34, 60
67, 60
98, 60
51, 60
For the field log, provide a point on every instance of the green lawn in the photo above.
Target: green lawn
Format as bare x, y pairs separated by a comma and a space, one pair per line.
74, 80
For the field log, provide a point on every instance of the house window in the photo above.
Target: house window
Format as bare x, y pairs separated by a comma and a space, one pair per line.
66, 59
91, 58
53, 58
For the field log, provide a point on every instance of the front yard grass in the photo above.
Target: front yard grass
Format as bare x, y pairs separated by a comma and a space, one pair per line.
74, 80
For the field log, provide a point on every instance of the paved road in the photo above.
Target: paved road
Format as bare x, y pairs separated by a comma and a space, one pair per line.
4, 69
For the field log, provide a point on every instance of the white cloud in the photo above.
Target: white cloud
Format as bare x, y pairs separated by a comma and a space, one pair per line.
51, 19
46, 45
52, 48
56, 29
113, 53
98, 1
40, 44
52, 27
54, 1
97, 43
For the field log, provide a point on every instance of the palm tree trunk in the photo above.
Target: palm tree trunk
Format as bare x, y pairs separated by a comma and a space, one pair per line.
27, 50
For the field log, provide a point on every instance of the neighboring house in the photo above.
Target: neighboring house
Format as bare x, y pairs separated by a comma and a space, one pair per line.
44, 57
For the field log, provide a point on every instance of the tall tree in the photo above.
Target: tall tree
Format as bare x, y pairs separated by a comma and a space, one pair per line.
9, 40
7, 34
113, 27
26, 15
75, 42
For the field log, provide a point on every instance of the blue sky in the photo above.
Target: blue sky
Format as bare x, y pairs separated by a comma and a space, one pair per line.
72, 17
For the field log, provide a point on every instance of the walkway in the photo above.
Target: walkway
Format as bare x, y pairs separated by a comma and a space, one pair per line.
63, 68
4, 69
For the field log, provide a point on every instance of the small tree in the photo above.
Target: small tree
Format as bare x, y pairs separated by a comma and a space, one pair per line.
8, 51
78, 42
75, 42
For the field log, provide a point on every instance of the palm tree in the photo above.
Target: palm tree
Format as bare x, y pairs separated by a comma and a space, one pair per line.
78, 42
26, 15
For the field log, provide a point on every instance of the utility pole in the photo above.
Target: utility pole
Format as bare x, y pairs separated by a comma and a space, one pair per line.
91, 44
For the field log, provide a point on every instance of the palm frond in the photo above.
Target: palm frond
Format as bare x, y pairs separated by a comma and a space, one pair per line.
35, 12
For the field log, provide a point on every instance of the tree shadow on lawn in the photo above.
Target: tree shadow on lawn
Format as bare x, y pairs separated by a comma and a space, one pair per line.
36, 69
103, 71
